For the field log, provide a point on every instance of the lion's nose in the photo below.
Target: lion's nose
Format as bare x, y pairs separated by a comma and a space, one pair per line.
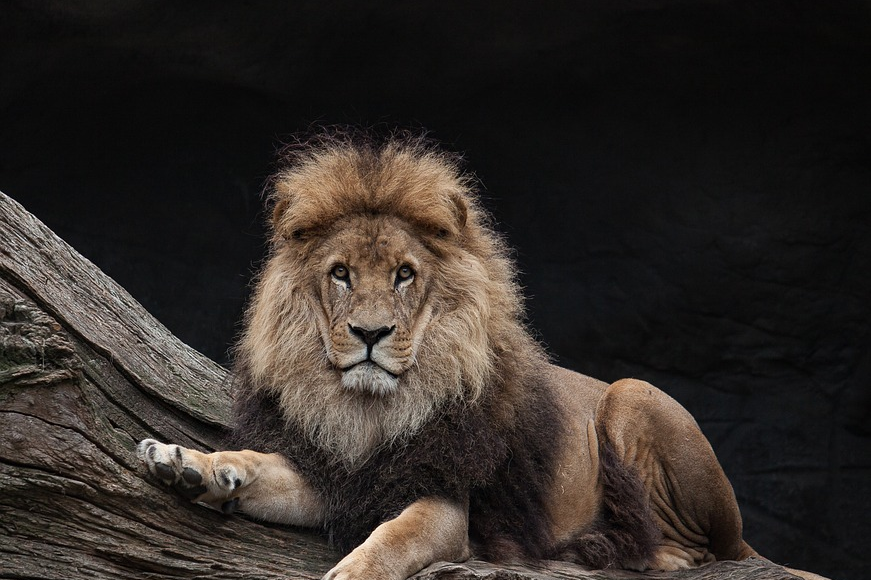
370, 337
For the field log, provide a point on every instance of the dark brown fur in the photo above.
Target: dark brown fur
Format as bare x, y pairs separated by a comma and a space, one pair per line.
461, 453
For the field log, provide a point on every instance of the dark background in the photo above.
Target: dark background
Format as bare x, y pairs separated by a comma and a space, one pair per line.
687, 184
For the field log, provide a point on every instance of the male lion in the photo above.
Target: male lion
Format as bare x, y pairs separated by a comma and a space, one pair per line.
395, 399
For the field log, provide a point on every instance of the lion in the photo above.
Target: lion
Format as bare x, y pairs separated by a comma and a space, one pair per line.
388, 392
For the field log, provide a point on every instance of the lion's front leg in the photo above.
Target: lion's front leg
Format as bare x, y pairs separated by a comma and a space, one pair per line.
262, 485
427, 531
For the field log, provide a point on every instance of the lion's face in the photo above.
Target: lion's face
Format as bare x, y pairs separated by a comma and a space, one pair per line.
372, 293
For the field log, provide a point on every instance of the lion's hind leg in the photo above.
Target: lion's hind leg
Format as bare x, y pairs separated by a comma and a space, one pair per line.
690, 498
262, 485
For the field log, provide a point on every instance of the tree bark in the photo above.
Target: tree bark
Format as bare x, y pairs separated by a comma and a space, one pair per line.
85, 373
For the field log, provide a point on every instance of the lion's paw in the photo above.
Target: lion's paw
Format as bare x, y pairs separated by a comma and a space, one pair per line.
194, 475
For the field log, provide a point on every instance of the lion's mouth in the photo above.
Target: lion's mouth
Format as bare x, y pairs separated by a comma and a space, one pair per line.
369, 362
368, 376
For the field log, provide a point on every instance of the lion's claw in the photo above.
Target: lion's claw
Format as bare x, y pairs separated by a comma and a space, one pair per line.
228, 507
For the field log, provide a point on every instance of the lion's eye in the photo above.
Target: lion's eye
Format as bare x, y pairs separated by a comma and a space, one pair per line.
404, 274
340, 272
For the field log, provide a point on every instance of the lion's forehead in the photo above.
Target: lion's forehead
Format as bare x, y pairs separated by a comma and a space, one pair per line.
372, 244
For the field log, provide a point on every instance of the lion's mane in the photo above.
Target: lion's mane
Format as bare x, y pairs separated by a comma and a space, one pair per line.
476, 304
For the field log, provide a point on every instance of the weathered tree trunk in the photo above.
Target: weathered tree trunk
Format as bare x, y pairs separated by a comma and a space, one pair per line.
86, 372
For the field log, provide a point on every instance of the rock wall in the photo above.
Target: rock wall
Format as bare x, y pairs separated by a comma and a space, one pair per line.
687, 184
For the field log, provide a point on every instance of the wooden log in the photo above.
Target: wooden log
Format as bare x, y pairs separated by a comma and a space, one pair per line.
85, 373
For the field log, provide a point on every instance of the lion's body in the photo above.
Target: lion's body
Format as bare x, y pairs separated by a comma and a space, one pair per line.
393, 396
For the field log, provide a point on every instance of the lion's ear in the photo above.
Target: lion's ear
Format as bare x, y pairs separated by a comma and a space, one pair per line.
453, 213
460, 208
280, 219
285, 219
278, 211
283, 225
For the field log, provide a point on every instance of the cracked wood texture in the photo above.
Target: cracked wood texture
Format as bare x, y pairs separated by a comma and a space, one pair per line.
85, 373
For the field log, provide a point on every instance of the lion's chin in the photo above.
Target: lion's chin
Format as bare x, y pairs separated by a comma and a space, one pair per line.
369, 377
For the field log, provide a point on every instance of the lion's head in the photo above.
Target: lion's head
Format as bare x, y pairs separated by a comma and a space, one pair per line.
386, 293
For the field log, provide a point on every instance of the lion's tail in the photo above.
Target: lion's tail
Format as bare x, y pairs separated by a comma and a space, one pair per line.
624, 535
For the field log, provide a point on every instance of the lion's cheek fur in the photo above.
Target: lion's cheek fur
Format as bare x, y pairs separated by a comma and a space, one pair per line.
281, 337
464, 331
